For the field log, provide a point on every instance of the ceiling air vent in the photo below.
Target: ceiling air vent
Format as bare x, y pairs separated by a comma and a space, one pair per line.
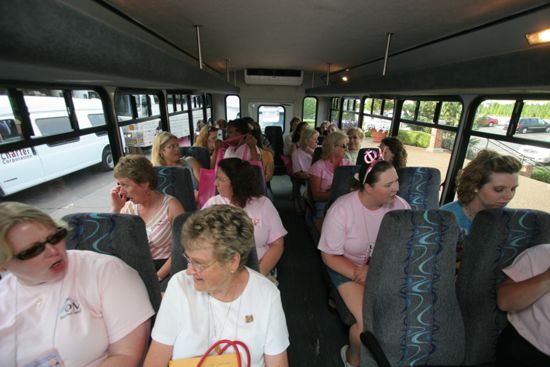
273, 77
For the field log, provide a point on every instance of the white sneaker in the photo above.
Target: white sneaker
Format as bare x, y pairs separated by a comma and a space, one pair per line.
343, 354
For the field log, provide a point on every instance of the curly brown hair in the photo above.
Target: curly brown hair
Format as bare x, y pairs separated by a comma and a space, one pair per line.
398, 150
478, 172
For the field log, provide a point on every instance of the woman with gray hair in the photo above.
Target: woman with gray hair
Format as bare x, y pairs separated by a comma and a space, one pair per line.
217, 297
65, 308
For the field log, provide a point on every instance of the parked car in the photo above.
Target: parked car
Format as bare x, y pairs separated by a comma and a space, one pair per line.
532, 124
486, 121
536, 154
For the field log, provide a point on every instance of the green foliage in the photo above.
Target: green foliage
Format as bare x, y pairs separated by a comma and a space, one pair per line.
415, 138
541, 174
309, 109
368, 133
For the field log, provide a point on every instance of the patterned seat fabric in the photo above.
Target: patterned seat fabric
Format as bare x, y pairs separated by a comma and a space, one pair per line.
410, 304
176, 181
420, 186
178, 261
120, 235
497, 236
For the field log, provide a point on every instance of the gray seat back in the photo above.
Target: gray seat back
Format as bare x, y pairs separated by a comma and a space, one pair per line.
420, 186
342, 181
496, 237
201, 154
120, 235
178, 261
410, 303
177, 182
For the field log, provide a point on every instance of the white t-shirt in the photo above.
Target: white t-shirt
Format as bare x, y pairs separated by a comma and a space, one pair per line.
350, 229
192, 321
268, 226
533, 322
99, 301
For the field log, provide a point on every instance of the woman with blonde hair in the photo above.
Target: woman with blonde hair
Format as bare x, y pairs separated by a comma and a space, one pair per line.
166, 152
355, 136
333, 155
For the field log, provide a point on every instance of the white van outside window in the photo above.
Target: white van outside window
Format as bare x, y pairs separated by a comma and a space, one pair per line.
24, 168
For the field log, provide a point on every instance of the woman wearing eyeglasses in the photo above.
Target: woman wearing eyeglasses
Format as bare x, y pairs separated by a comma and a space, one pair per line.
237, 184
321, 172
218, 297
348, 238
71, 308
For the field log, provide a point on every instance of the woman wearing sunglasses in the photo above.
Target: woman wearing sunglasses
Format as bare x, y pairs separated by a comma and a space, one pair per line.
348, 239
218, 297
321, 173
71, 308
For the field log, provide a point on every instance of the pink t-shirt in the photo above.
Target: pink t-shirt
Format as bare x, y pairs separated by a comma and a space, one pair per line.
99, 301
533, 322
267, 222
325, 171
241, 151
350, 229
301, 160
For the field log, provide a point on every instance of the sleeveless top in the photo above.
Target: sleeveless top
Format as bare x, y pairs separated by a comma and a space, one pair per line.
159, 229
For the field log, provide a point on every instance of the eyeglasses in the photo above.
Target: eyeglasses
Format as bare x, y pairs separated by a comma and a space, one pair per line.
198, 267
345, 146
39, 247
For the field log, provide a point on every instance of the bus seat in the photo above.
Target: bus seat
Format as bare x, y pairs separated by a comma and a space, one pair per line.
410, 305
176, 181
275, 136
178, 261
496, 237
316, 154
201, 154
342, 181
419, 186
120, 235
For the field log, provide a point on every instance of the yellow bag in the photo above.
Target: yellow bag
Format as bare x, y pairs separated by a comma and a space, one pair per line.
219, 360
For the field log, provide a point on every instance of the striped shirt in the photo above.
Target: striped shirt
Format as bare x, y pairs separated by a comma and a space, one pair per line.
159, 228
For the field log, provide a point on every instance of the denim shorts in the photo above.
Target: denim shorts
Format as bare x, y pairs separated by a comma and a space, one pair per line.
320, 208
336, 278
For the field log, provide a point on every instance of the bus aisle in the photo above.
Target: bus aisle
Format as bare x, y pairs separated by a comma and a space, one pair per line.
316, 333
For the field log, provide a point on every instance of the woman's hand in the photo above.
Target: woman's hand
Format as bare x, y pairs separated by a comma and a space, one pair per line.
360, 274
118, 199
250, 141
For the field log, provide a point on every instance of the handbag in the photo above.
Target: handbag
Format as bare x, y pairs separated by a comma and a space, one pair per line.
219, 359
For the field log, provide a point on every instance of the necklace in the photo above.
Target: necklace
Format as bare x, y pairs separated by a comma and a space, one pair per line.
370, 243
213, 334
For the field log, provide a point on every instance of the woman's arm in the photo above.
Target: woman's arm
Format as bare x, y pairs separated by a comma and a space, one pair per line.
158, 355
272, 256
343, 266
515, 296
129, 350
279, 360
318, 195
195, 167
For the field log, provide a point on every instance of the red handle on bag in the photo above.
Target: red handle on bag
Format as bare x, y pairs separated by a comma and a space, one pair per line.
226, 344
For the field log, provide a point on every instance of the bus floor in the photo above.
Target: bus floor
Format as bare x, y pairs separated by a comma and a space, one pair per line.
316, 333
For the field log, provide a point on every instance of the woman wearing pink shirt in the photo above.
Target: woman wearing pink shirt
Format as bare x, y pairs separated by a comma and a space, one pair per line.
238, 185
348, 239
321, 172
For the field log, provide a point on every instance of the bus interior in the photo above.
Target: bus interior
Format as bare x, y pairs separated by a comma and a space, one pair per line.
448, 77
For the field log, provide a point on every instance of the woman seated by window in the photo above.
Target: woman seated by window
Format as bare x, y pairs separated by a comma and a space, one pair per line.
65, 308
237, 184
348, 238
135, 194
321, 172
166, 152
393, 151
356, 136
218, 297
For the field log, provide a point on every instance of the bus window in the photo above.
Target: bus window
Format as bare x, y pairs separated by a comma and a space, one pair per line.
232, 107
350, 112
334, 110
10, 126
140, 115
271, 116
309, 111
493, 116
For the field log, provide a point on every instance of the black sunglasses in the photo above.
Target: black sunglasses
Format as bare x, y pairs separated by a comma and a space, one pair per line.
39, 247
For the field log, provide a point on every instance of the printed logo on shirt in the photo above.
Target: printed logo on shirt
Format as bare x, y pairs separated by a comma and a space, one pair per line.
255, 221
69, 307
